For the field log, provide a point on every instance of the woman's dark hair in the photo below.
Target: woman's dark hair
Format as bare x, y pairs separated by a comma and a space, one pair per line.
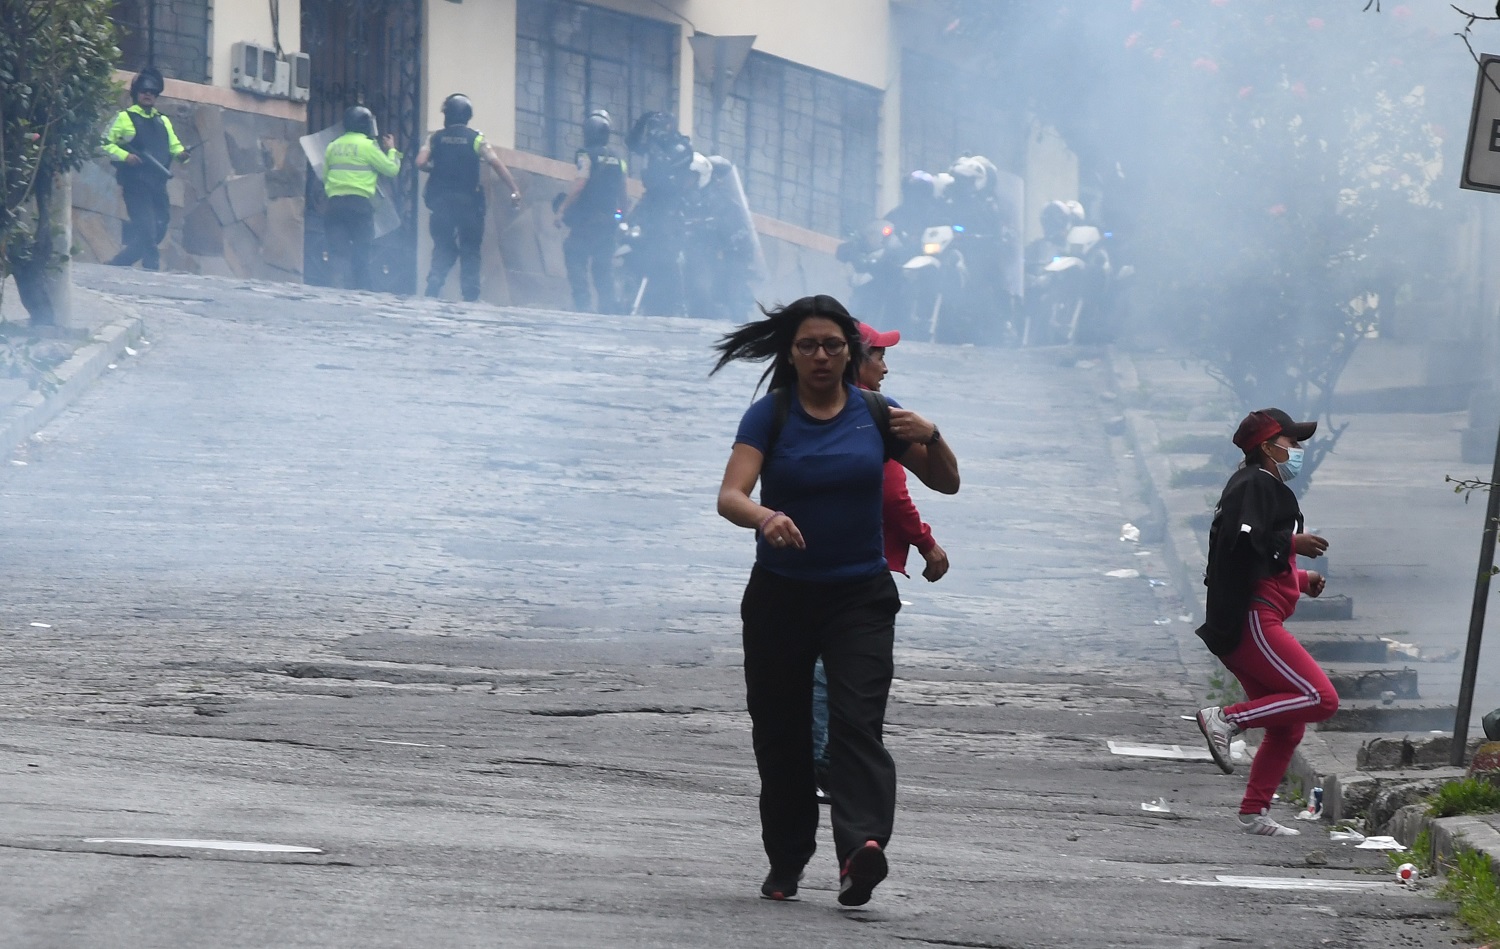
771, 338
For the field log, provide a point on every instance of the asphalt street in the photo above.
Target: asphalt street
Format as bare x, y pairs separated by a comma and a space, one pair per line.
439, 591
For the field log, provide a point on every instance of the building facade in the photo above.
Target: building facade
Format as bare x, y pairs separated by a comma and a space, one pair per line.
237, 206
827, 109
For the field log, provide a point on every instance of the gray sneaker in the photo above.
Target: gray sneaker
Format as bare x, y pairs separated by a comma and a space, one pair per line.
1219, 731
1263, 825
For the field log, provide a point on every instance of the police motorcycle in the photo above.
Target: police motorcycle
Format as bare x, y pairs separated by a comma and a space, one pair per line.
1073, 289
958, 287
876, 252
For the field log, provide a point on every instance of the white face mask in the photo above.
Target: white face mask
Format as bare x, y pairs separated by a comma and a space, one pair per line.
1292, 467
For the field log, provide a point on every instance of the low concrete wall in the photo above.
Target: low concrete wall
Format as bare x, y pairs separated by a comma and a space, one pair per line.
237, 206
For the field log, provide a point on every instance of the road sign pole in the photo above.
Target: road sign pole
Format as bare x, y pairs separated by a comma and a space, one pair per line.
1476, 618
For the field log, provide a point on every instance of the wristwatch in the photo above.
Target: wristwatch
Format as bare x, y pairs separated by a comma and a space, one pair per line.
936, 435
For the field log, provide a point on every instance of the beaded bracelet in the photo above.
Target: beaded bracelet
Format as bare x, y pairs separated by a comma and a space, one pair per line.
761, 530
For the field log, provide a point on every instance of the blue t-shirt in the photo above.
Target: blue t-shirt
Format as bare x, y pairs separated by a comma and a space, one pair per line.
826, 475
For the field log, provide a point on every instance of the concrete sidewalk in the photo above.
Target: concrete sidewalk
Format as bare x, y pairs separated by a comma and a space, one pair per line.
1403, 550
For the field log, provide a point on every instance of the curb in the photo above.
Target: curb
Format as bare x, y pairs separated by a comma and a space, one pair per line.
27, 416
1449, 835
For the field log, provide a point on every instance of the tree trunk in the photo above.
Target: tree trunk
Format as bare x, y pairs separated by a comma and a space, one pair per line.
42, 282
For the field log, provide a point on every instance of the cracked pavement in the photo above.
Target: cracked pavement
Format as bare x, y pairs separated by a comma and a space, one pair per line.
440, 591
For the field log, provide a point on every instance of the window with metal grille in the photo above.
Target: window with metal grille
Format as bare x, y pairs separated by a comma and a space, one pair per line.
947, 112
172, 35
806, 142
572, 58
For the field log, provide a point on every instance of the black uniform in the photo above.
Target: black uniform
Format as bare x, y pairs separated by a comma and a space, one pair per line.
593, 221
456, 201
144, 188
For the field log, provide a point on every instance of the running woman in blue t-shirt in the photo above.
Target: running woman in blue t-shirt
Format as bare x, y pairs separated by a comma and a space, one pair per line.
820, 585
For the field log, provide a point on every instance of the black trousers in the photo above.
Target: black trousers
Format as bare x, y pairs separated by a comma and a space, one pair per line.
457, 229
589, 251
349, 229
787, 625
150, 212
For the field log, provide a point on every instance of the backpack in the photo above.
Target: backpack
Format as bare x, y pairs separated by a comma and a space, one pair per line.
880, 411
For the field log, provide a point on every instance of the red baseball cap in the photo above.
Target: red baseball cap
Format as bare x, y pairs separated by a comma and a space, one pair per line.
1264, 424
874, 339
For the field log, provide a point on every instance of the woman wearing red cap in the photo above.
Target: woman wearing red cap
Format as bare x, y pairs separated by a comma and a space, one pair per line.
903, 529
1253, 585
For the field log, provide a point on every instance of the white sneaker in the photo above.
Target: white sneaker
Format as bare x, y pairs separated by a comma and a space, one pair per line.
1220, 733
1263, 825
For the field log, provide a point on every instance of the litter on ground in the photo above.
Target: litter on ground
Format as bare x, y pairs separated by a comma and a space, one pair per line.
1285, 883
1380, 843
1172, 752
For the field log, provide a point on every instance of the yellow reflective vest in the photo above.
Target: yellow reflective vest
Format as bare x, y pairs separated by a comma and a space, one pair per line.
136, 129
352, 164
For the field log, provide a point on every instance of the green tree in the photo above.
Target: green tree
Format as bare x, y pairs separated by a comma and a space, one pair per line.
56, 59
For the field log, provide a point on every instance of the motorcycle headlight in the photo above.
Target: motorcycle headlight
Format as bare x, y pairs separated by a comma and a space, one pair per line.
932, 249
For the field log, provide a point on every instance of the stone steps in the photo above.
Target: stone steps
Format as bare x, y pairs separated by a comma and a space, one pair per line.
1353, 680
1374, 715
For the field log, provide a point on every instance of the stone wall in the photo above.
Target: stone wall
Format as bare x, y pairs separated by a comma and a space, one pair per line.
237, 206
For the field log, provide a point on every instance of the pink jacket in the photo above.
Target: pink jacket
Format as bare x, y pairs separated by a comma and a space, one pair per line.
1280, 591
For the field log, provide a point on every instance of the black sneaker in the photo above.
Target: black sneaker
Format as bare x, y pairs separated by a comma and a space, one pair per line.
780, 885
863, 871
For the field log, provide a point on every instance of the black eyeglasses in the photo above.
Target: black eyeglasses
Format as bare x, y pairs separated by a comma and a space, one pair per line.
832, 346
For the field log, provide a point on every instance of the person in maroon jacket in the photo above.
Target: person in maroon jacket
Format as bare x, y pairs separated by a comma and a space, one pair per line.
1253, 585
903, 528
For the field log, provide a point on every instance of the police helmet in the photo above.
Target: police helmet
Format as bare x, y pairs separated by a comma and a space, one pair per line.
457, 109
596, 129
702, 168
357, 118
147, 80
917, 186
974, 171
1058, 216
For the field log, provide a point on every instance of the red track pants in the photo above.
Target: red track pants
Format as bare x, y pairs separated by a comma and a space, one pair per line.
1286, 690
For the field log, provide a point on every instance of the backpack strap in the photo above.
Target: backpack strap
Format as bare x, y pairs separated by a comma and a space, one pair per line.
781, 409
878, 406
880, 411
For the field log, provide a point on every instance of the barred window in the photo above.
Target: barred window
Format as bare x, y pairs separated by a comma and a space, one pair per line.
172, 35
806, 142
947, 112
572, 58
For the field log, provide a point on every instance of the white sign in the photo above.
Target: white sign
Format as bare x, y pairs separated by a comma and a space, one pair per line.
1482, 157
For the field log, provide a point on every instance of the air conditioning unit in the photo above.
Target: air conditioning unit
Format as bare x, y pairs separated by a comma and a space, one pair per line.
281, 85
249, 72
301, 89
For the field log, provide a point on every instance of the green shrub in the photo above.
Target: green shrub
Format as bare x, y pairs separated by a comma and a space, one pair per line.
1469, 796
1471, 884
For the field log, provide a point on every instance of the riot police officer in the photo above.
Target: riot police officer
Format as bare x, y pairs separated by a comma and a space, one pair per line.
143, 145
453, 194
592, 211
352, 166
